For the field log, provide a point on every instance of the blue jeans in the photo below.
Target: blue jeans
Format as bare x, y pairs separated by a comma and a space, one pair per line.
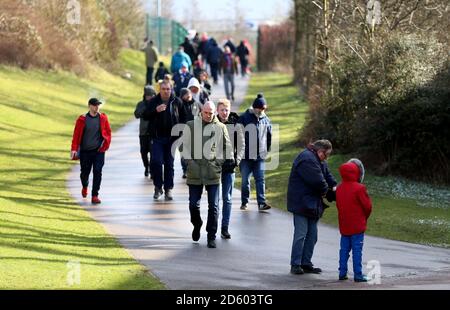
92, 160
255, 167
162, 155
305, 238
355, 244
227, 193
195, 195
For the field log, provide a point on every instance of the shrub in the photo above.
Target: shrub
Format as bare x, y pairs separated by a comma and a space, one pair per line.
393, 110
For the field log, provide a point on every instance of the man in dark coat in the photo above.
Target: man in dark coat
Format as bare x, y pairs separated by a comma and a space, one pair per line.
145, 140
214, 57
243, 53
309, 183
189, 49
164, 111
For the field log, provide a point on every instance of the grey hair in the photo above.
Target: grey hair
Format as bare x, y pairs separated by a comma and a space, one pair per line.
322, 145
360, 165
211, 104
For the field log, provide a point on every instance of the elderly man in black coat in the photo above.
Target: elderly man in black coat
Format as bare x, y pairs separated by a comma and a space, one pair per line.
309, 183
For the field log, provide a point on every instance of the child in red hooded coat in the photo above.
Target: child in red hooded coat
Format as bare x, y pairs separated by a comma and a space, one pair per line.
354, 208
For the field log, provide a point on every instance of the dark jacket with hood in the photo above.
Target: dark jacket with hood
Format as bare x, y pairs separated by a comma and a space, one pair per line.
161, 123
214, 53
309, 181
192, 109
260, 146
138, 113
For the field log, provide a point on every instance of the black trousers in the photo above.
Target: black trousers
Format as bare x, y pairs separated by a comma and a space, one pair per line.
146, 150
150, 75
92, 160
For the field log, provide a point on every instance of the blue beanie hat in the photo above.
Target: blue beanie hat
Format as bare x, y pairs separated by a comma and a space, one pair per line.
260, 102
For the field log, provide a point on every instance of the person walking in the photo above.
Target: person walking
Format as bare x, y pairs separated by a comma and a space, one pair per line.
258, 140
229, 119
192, 110
243, 53
214, 57
189, 49
354, 208
207, 138
309, 182
91, 139
151, 57
229, 69
178, 59
145, 140
161, 72
163, 112
198, 93
182, 78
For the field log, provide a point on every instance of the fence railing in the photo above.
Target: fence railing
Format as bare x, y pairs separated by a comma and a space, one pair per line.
167, 34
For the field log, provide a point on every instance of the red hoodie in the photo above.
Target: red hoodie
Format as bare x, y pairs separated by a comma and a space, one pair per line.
352, 201
105, 130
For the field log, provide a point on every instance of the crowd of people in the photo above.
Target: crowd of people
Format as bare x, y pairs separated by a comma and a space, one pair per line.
201, 57
178, 114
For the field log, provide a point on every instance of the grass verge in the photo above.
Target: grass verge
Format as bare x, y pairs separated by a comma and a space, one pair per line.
45, 235
403, 210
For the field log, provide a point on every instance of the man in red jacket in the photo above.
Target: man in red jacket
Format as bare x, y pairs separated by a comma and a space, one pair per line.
354, 208
91, 139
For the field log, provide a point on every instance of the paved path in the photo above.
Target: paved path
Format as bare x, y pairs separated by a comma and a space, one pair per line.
158, 235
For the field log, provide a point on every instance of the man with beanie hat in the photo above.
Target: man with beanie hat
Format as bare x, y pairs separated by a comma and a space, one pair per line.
144, 134
91, 139
258, 140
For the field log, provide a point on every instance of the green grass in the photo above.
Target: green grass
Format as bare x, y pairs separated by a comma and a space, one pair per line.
400, 214
41, 227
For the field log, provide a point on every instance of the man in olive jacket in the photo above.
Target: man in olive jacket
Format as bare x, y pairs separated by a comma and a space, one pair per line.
206, 146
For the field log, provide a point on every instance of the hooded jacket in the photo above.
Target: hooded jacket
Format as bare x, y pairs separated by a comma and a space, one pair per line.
138, 113
352, 201
105, 131
256, 148
177, 59
202, 95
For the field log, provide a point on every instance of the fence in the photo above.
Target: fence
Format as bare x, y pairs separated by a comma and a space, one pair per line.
167, 34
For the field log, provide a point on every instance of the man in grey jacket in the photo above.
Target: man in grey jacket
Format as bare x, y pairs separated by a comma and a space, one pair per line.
151, 57
144, 134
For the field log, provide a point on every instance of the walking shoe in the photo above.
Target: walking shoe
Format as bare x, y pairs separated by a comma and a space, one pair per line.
363, 279
169, 195
295, 269
311, 269
225, 234
196, 232
158, 193
84, 192
264, 207
211, 244
244, 206
342, 278
95, 200
146, 172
